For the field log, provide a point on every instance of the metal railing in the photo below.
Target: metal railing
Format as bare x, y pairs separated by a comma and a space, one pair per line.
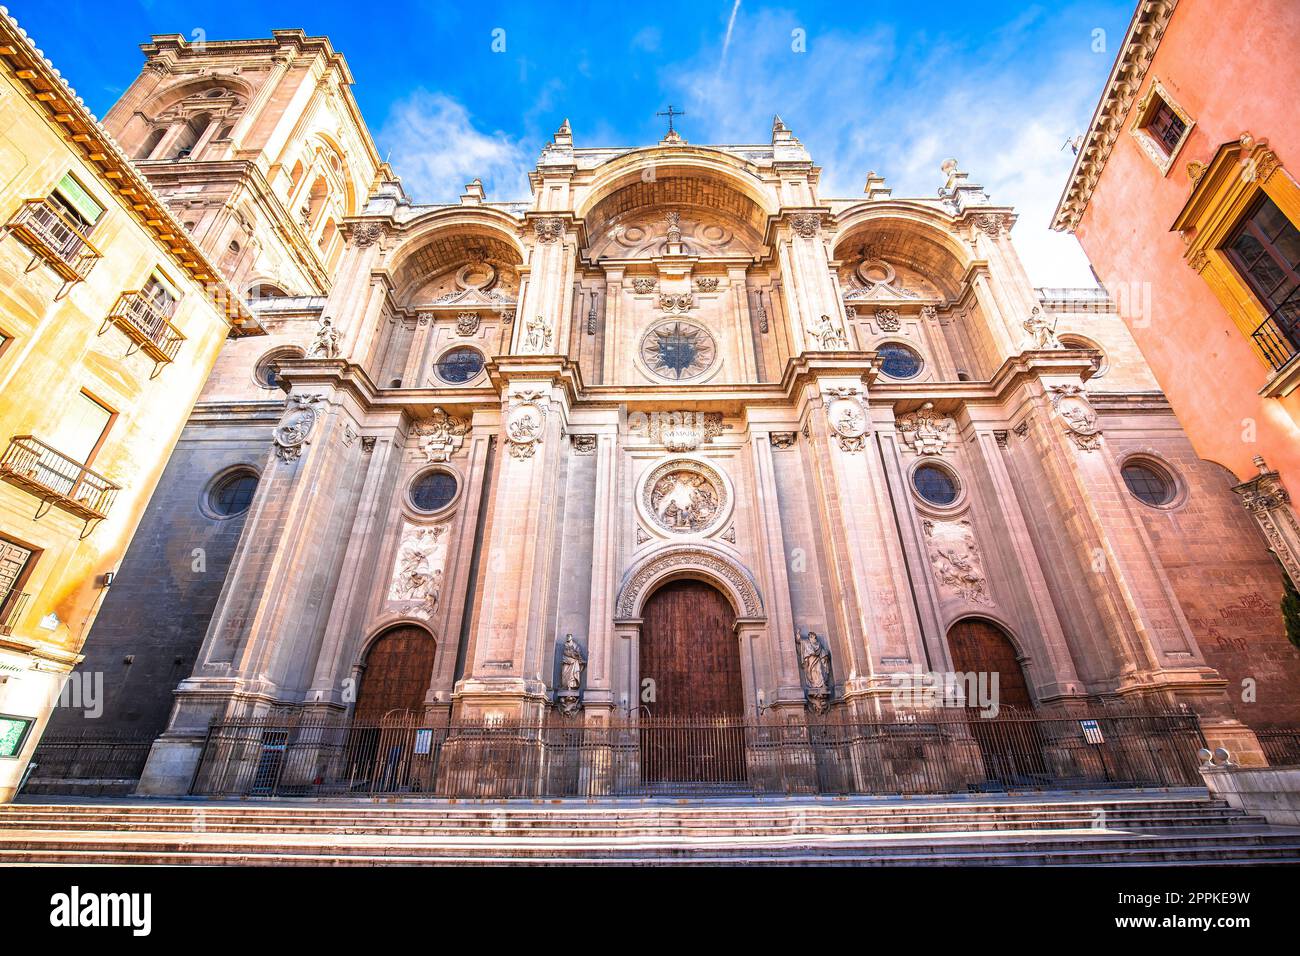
921, 753
12, 604
1278, 336
54, 477
147, 325
1281, 747
48, 233
89, 763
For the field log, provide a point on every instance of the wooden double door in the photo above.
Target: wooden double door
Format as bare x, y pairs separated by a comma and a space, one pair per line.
691, 686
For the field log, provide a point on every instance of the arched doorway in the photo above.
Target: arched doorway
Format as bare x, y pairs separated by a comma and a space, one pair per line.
692, 689
398, 669
1010, 740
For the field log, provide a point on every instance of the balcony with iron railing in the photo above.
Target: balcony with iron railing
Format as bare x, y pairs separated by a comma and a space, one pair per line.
43, 228
147, 326
1278, 336
12, 604
56, 479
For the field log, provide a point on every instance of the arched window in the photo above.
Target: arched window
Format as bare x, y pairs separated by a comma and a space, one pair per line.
190, 136
320, 191
151, 143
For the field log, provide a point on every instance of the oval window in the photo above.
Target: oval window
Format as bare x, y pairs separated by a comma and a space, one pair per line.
433, 490
898, 361
1148, 484
935, 485
233, 494
459, 365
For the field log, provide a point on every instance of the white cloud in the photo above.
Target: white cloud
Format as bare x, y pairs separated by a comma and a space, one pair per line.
435, 147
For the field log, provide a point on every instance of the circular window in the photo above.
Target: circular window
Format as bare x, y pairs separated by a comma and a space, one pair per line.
1148, 484
1079, 342
433, 490
459, 365
267, 371
233, 494
935, 485
898, 361
678, 351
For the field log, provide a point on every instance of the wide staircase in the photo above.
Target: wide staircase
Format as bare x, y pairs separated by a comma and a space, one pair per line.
1095, 829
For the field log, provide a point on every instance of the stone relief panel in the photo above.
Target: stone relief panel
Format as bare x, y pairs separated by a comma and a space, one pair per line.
684, 496
293, 434
956, 561
847, 418
418, 569
925, 431
645, 234
677, 431
525, 420
439, 437
1071, 404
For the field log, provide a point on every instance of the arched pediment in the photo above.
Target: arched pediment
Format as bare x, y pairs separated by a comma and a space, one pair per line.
696, 561
434, 249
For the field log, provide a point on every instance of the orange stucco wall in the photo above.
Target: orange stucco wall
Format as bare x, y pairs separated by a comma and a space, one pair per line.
1234, 66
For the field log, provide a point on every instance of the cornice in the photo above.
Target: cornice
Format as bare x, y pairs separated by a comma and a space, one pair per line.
68, 113
1148, 25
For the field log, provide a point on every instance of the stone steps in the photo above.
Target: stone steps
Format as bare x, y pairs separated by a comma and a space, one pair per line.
1135, 829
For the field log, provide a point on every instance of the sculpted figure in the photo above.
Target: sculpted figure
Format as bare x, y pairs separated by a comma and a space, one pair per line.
1042, 332
327, 340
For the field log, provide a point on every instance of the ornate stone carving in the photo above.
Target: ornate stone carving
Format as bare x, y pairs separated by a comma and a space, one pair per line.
815, 667
641, 536
1070, 402
847, 418
1269, 503
730, 535
548, 229
806, 226
830, 335
418, 569
467, 323
525, 420
592, 318
677, 303
929, 313
955, 559
991, 224
762, 320
689, 558
678, 351
367, 443
440, 436
644, 285
583, 444
1001, 436
683, 430
569, 695
707, 284
887, 320
537, 337
686, 498
294, 432
326, 343
782, 439
925, 432
1042, 331
367, 234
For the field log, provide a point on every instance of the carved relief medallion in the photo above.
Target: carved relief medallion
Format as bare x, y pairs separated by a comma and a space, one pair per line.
524, 422
925, 432
847, 418
292, 434
685, 496
678, 351
1071, 403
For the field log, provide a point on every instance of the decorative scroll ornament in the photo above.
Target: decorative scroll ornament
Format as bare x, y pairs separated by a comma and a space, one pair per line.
294, 432
467, 323
1071, 403
677, 303
326, 343
805, 226
847, 418
815, 667
830, 335
537, 337
548, 230
583, 444
929, 313
367, 234
1042, 331
440, 436
524, 422
569, 695
955, 560
924, 431
707, 284
887, 320
644, 285
418, 569
990, 224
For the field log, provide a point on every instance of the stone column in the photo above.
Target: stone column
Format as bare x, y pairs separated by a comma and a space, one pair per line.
605, 564
548, 294
810, 289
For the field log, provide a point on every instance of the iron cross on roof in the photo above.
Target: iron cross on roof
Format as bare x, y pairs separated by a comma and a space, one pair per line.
670, 113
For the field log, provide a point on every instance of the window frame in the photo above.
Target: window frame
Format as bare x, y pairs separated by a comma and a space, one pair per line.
1155, 146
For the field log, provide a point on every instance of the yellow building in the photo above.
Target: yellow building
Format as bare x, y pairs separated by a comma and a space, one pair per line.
110, 320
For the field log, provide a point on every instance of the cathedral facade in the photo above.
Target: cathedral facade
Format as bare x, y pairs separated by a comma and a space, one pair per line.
676, 435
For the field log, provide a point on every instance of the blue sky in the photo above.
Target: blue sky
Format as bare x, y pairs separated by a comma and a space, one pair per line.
891, 87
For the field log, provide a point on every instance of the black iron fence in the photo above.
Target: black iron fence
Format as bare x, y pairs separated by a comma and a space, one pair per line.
921, 753
1281, 747
98, 763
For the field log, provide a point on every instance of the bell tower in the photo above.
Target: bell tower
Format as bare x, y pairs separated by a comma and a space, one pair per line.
258, 148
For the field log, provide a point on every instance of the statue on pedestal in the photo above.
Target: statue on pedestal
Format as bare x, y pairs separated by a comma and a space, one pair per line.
572, 664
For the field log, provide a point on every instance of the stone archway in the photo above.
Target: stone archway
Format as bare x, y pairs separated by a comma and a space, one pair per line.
396, 674
698, 561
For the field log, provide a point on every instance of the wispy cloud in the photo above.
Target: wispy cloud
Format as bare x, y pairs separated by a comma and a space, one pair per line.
436, 149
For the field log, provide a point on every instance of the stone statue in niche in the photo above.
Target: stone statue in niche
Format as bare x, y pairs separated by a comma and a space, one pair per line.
572, 664
815, 663
326, 344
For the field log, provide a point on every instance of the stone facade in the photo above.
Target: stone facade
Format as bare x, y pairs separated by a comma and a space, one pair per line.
678, 361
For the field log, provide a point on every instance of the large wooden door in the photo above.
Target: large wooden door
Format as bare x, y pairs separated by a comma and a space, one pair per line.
399, 667
981, 647
689, 649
